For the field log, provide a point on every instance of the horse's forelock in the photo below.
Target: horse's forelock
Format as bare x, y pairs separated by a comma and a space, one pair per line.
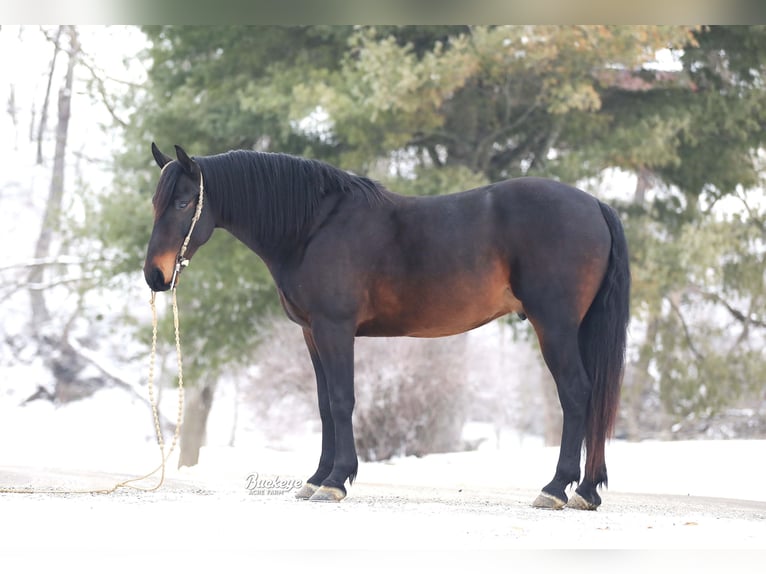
165, 186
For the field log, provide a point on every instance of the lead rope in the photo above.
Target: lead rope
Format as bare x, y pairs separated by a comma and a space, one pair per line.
180, 262
155, 413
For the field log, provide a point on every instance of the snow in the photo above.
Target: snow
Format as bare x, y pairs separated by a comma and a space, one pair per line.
663, 495
112, 431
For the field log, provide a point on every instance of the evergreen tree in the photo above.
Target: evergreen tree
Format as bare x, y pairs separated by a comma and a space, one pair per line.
435, 109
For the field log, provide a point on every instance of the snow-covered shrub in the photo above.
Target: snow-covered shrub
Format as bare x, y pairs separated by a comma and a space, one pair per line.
410, 393
410, 396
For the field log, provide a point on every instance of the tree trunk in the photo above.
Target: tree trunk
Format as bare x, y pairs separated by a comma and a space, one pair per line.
12, 110
643, 184
44, 113
40, 314
199, 401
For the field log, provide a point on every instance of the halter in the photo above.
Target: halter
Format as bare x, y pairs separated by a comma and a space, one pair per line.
181, 261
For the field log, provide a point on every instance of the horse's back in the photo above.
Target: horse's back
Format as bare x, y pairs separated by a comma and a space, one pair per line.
455, 262
530, 202
514, 219
442, 265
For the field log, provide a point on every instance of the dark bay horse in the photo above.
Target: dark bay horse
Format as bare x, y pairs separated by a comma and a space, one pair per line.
350, 258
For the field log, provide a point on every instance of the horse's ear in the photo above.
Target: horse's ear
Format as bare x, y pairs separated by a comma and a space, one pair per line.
186, 162
160, 157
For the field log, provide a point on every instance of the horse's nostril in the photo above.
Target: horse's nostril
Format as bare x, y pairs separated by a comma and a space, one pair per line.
156, 280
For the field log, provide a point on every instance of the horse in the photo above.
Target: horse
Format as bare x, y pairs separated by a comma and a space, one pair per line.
350, 258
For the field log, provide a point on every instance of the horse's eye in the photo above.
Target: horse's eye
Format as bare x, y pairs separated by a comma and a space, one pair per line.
182, 204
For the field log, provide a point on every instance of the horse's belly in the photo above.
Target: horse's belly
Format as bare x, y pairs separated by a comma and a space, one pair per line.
439, 310
452, 317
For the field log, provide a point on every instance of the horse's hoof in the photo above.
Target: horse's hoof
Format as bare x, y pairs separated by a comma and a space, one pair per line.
306, 491
578, 502
328, 494
545, 500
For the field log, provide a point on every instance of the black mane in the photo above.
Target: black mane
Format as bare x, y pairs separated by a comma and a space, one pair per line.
276, 194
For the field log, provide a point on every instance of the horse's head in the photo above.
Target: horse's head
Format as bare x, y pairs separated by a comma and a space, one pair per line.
175, 203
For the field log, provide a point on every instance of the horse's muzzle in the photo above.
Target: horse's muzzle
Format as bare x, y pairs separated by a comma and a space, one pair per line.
156, 280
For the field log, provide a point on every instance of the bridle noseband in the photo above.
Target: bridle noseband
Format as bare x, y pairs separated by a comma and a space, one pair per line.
182, 261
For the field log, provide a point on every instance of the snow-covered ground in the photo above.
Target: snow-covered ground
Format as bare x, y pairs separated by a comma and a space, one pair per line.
113, 432
690, 495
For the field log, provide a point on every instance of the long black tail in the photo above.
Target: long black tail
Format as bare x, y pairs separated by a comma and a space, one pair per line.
602, 341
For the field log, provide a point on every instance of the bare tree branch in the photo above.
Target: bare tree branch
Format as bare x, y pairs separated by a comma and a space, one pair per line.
481, 157
100, 83
749, 319
40, 287
54, 260
672, 299
754, 216
44, 114
112, 377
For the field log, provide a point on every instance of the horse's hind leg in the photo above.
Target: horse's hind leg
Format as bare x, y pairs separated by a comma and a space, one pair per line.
559, 344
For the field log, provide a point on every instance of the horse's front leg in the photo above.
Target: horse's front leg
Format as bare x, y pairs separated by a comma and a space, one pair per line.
334, 347
327, 457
